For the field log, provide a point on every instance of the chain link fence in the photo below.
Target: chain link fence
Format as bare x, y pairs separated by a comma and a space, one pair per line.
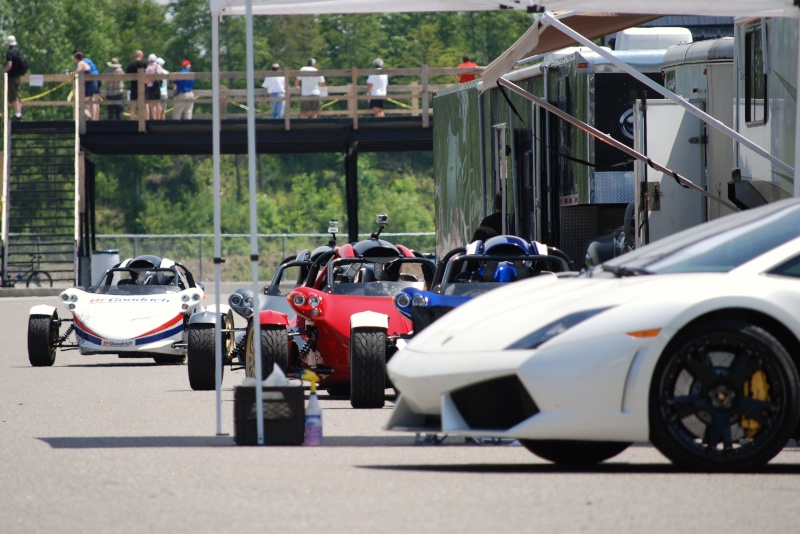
196, 251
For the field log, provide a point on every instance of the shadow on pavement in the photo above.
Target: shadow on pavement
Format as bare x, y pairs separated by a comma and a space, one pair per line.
103, 442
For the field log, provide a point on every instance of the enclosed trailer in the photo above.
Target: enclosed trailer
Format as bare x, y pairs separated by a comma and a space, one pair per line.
765, 107
702, 73
558, 184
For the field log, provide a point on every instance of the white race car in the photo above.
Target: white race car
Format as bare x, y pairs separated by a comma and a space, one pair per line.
138, 309
691, 342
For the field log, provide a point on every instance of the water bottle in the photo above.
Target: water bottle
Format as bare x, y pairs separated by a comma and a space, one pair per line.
313, 432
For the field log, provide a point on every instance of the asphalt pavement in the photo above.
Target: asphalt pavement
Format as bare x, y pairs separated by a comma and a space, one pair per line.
102, 444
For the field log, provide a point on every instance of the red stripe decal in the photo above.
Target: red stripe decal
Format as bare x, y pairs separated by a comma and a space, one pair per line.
84, 327
175, 320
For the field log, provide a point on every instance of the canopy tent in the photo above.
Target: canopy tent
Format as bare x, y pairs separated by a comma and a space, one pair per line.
615, 15
723, 8
328, 7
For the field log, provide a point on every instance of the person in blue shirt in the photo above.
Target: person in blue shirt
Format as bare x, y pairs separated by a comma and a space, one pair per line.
184, 95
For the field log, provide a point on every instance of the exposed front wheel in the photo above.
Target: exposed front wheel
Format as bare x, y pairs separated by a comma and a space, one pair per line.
367, 367
200, 357
566, 452
42, 339
274, 349
724, 395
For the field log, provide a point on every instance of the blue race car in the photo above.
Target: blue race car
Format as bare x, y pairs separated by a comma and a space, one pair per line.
466, 272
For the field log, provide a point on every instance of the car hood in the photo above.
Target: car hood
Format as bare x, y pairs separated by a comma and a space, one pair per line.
496, 319
118, 317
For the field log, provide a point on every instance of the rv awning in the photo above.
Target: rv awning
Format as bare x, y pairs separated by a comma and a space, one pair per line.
541, 38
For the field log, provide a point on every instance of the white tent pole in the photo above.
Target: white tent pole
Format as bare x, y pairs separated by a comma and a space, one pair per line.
795, 178
548, 17
251, 164
217, 226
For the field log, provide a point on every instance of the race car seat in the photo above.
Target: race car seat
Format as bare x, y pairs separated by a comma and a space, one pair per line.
365, 274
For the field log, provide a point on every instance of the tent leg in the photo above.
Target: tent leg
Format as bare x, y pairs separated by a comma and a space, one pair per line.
351, 188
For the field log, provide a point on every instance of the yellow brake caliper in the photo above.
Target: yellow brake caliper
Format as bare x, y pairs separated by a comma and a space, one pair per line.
757, 388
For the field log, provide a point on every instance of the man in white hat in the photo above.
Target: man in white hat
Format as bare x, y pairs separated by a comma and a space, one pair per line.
164, 88
114, 90
15, 70
152, 90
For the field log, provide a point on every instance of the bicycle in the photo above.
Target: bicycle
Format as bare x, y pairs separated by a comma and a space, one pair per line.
33, 277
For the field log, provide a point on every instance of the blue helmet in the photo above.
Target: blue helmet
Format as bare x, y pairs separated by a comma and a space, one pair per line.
505, 272
506, 244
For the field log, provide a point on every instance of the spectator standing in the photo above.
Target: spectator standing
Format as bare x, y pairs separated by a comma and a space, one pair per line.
310, 87
91, 89
93, 106
164, 87
466, 63
184, 95
114, 90
276, 88
15, 71
132, 68
152, 89
377, 86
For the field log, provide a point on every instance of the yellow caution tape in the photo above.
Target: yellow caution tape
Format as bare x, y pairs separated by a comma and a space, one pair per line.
36, 97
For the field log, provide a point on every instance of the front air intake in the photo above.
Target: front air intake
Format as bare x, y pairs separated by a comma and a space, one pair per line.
496, 404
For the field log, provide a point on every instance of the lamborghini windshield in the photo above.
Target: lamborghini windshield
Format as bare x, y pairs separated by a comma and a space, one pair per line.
718, 246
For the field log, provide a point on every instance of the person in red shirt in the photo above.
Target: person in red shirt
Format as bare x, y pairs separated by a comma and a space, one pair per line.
466, 63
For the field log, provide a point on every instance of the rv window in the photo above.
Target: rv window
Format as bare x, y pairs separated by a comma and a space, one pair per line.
755, 81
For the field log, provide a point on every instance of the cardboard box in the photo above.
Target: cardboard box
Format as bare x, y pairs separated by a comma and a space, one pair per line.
284, 415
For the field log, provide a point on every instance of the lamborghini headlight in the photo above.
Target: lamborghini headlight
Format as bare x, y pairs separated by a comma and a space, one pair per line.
195, 296
313, 301
64, 297
544, 334
73, 298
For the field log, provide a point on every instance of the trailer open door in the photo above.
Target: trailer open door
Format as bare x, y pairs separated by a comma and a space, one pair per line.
667, 133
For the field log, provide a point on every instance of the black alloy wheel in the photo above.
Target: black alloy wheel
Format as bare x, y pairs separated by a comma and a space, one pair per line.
724, 396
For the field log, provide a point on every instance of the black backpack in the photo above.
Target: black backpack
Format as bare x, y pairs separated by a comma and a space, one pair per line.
19, 64
23, 64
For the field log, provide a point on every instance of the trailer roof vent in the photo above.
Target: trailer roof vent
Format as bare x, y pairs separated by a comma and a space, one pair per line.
651, 38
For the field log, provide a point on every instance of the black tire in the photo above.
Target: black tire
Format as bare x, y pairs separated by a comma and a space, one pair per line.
200, 357
339, 390
39, 279
367, 367
565, 452
42, 338
724, 396
274, 349
168, 359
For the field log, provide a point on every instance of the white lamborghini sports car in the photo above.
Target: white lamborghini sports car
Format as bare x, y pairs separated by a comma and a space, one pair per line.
691, 343
138, 309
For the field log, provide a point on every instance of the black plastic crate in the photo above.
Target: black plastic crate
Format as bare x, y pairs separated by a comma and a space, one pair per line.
284, 415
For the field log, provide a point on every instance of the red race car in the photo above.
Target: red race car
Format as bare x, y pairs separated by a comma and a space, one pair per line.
346, 324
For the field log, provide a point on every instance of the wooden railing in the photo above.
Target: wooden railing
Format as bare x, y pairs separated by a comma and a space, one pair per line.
346, 91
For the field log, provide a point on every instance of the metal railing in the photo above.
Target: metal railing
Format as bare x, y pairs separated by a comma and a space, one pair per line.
346, 89
196, 250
